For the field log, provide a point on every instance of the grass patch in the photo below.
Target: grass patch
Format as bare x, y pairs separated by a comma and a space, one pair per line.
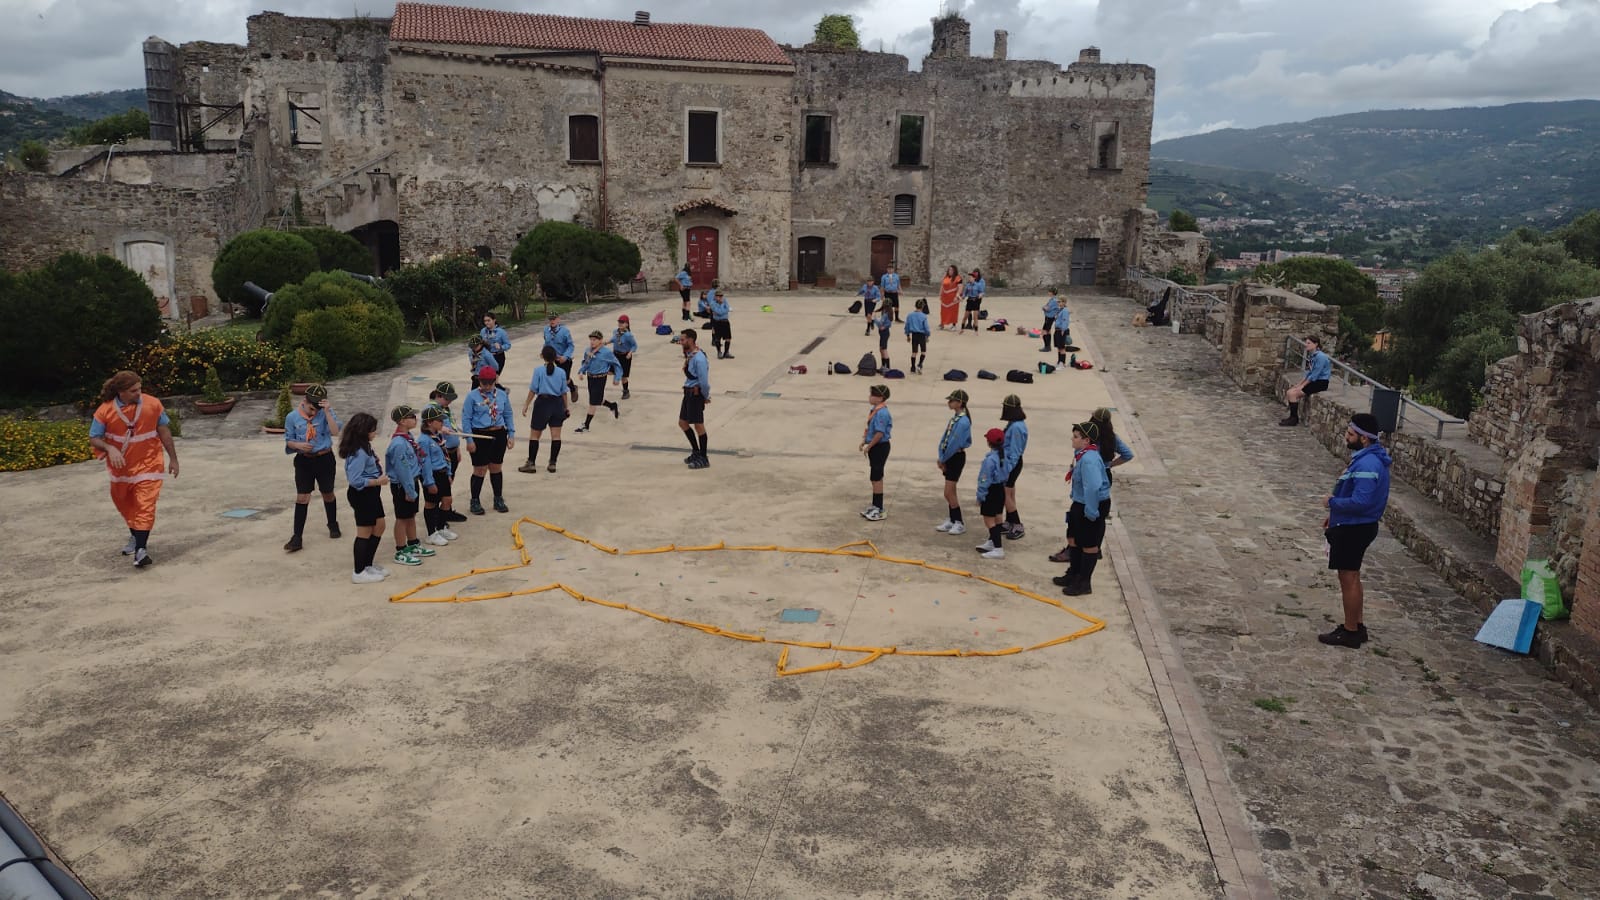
1239, 750
1272, 704
1379, 651
1282, 610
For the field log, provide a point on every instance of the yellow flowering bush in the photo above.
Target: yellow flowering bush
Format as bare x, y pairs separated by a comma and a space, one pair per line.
177, 364
32, 444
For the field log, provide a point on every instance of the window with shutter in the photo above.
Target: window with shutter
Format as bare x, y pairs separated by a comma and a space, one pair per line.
702, 138
583, 138
905, 209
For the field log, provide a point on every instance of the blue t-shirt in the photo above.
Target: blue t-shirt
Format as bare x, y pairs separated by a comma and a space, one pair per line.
880, 422
957, 436
684, 281
917, 322
624, 342
890, 283
551, 383
560, 338
869, 292
295, 428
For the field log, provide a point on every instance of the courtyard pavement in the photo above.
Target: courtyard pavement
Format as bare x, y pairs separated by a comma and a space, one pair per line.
237, 722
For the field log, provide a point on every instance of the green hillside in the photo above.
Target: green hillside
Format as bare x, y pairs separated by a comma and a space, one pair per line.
97, 105
29, 119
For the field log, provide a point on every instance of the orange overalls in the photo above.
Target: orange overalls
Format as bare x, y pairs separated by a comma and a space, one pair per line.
133, 430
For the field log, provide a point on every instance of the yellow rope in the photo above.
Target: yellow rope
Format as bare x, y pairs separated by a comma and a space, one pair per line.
859, 549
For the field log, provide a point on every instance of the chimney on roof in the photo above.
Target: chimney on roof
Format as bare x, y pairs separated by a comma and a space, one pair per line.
641, 18
1001, 38
1089, 55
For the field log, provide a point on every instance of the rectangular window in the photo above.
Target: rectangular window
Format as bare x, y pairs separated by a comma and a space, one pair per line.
703, 144
1106, 156
910, 140
305, 118
583, 138
819, 139
905, 209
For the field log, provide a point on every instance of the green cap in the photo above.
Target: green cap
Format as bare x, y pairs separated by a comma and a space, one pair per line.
445, 389
432, 413
401, 413
317, 393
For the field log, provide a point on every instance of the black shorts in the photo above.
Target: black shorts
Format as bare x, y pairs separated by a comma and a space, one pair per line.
1060, 339
993, 503
1016, 471
367, 504
883, 340
1315, 387
454, 455
597, 389
313, 471
693, 409
441, 479
684, 293
549, 411
919, 343
876, 457
567, 368
403, 508
722, 329
491, 450
500, 361
954, 466
973, 303
1081, 531
1347, 545
869, 306
892, 298
627, 366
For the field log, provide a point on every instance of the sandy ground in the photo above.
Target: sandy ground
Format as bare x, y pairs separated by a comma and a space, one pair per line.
235, 721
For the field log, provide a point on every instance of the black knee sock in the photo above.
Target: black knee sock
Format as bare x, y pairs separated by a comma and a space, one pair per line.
555, 451
955, 513
996, 534
141, 538
1294, 410
331, 507
496, 479
1061, 357
705, 442
430, 519
877, 500
533, 453
1013, 518
477, 486
694, 444
1074, 560
357, 548
1087, 572
610, 404
922, 360
366, 552
588, 420
300, 510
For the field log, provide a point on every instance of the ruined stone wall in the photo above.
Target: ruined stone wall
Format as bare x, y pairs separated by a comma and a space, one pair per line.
647, 176
198, 171
1260, 320
1009, 176
483, 157
210, 75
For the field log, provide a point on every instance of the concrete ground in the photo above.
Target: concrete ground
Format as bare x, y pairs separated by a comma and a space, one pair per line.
237, 722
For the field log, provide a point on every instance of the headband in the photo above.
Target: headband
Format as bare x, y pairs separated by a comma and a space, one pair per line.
1366, 434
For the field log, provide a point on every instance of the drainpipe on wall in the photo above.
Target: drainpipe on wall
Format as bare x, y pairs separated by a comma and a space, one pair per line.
110, 149
605, 153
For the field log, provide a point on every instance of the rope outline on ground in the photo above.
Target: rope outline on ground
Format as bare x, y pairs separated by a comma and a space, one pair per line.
863, 549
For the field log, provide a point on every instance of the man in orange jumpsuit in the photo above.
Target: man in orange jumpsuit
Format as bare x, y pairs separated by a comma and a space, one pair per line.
129, 432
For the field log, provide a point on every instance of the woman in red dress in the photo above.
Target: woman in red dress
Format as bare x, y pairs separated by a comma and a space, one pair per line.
949, 298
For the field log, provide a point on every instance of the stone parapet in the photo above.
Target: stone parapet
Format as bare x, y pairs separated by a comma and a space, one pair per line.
1260, 321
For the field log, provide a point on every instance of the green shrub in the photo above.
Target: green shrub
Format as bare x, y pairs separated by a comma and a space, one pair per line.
211, 389
1182, 221
177, 364
337, 251
319, 291
355, 337
114, 129
1177, 275
67, 322
34, 156
308, 367
450, 294
571, 262
281, 410
270, 259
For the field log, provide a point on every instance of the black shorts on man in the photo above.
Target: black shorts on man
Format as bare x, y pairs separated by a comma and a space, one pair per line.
693, 408
1347, 545
313, 470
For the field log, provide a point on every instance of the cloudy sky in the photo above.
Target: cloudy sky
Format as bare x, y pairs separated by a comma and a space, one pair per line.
1219, 63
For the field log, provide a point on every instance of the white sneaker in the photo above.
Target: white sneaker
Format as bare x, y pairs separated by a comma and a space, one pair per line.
381, 573
448, 534
131, 547
943, 526
867, 510
957, 528
436, 539
996, 553
874, 514
366, 576
985, 547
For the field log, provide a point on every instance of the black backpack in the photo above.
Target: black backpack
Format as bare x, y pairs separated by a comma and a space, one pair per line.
855, 307
1019, 376
955, 375
1046, 368
868, 365
841, 369
987, 375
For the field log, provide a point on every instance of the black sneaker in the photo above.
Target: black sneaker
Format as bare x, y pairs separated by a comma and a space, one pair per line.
1289, 421
1064, 580
476, 508
1078, 588
1339, 637
292, 545
500, 505
333, 530
1016, 532
453, 516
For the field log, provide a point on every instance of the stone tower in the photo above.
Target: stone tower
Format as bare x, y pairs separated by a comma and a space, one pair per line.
952, 38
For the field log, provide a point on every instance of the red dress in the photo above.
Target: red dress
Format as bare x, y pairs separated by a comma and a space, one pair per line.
949, 301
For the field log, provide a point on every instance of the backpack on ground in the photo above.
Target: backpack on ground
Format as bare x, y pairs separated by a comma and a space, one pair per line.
893, 373
663, 329
983, 314
955, 375
1019, 376
987, 375
997, 327
841, 369
1046, 368
855, 307
868, 365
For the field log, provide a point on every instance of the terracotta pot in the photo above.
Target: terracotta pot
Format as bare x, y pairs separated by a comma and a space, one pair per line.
299, 387
212, 409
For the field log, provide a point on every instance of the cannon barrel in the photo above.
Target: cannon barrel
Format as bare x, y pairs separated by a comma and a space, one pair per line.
360, 277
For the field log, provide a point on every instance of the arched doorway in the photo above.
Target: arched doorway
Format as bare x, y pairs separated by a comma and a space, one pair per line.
884, 252
382, 240
813, 259
702, 252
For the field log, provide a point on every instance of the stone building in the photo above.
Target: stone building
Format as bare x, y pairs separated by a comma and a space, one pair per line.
450, 128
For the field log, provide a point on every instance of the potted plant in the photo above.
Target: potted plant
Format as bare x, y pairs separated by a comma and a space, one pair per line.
274, 425
212, 400
309, 368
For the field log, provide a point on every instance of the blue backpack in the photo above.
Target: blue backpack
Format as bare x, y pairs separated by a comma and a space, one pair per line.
955, 375
663, 329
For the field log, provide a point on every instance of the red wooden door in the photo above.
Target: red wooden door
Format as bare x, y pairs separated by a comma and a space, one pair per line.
883, 254
702, 255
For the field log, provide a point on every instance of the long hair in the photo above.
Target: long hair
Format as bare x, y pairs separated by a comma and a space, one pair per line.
952, 271
977, 274
118, 383
357, 435
1108, 434
922, 305
548, 354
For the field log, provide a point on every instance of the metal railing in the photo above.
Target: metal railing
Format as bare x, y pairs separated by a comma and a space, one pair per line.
1295, 357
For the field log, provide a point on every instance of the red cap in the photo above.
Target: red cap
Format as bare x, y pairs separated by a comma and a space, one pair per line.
622, 318
487, 373
994, 435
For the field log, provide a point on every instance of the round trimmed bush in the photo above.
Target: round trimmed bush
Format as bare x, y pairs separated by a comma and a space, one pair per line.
269, 258
337, 251
571, 261
355, 337
319, 291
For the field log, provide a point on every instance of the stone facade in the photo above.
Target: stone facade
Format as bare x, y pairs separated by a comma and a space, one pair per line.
1158, 252
1259, 322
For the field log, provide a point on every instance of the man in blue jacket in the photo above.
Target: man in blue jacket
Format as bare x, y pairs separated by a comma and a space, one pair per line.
1354, 509
1319, 369
558, 336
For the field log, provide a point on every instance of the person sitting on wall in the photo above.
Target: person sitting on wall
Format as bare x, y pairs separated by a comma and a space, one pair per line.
1319, 369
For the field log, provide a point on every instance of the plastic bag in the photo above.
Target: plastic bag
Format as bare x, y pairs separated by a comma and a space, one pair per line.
1539, 585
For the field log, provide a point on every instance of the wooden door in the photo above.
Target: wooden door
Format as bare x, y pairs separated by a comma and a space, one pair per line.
813, 259
1085, 259
883, 254
702, 255
149, 259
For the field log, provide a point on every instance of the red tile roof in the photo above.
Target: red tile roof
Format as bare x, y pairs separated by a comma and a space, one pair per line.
435, 24
716, 203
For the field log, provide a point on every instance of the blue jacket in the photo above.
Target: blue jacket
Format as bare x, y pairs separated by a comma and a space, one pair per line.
917, 322
404, 467
991, 474
434, 459
560, 338
548, 384
957, 436
1319, 368
1362, 492
977, 288
362, 469
890, 283
481, 358
1015, 444
869, 292
496, 338
479, 412
719, 308
1123, 451
884, 319
1063, 322
294, 429
1090, 485
684, 280
599, 362
880, 422
624, 342
1052, 307
697, 372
